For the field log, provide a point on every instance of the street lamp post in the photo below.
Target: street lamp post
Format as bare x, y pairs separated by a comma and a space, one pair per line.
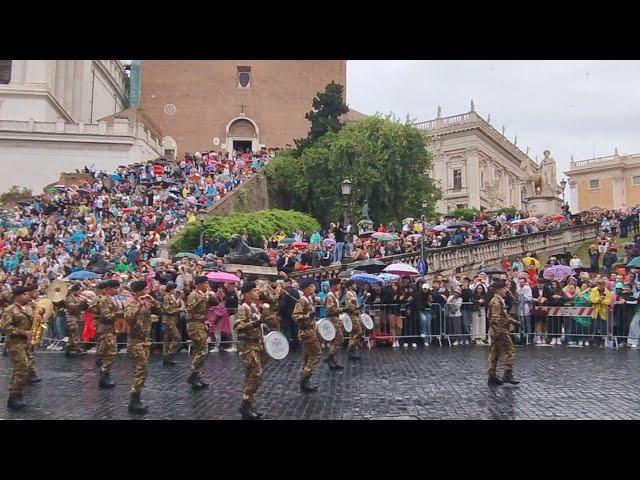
201, 217
346, 192
563, 185
425, 204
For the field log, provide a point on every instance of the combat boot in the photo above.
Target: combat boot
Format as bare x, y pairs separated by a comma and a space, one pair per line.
333, 365
168, 362
247, 412
135, 405
195, 382
105, 381
494, 380
33, 379
98, 362
203, 383
15, 402
508, 378
305, 385
353, 354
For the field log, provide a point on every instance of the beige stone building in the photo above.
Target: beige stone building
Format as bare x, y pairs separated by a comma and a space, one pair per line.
231, 104
607, 182
475, 165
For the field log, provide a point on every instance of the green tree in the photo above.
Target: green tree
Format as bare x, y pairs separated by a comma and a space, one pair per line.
385, 159
324, 115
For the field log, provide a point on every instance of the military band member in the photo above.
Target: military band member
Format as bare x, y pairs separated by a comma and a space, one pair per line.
250, 347
138, 316
17, 320
499, 334
75, 305
304, 315
270, 296
353, 310
6, 298
172, 305
198, 304
105, 308
332, 306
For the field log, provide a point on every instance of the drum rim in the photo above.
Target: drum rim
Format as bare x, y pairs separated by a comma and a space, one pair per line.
329, 322
277, 334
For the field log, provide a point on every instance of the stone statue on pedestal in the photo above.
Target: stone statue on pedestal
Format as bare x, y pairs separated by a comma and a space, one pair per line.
541, 187
550, 185
365, 210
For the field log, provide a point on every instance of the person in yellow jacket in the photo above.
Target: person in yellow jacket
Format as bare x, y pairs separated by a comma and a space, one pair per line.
600, 300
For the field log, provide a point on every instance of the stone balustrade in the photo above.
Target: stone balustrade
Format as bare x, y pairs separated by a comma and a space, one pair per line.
469, 257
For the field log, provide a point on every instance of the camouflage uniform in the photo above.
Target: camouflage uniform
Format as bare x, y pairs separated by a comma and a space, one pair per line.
351, 306
250, 349
170, 307
303, 314
16, 322
31, 356
270, 315
5, 300
198, 305
138, 316
105, 310
500, 340
74, 305
332, 306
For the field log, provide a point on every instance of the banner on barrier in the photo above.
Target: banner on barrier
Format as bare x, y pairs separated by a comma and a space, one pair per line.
569, 311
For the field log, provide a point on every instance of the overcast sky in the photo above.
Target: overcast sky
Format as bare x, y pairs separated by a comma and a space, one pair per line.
567, 107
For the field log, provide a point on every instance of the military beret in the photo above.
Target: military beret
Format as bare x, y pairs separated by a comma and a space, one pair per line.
305, 282
499, 283
335, 281
109, 284
170, 286
75, 287
20, 290
201, 279
138, 285
248, 286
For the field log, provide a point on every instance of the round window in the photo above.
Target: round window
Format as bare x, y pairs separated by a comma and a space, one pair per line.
169, 109
243, 78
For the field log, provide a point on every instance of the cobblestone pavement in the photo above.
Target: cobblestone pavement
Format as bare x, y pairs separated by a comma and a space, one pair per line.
432, 383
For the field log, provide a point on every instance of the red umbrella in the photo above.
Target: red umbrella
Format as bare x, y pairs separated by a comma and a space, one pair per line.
299, 244
556, 216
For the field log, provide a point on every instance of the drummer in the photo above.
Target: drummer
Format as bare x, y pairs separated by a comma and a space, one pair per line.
303, 314
332, 306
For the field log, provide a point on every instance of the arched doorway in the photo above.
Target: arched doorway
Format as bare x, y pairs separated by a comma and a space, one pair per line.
242, 134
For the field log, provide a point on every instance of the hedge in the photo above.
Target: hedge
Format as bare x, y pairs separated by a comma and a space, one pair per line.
254, 224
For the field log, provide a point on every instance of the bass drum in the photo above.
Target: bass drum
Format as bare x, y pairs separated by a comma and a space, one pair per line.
276, 345
367, 321
326, 329
346, 322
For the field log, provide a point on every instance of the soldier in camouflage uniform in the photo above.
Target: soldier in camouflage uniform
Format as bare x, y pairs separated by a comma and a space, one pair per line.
250, 348
198, 304
105, 308
171, 306
32, 378
270, 296
138, 316
304, 315
332, 306
74, 304
499, 334
16, 322
5, 300
353, 310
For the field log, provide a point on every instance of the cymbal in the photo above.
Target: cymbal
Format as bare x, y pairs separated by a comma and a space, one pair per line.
57, 291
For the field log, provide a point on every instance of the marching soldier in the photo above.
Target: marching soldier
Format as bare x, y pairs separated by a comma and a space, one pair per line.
16, 322
32, 378
499, 334
105, 308
270, 296
352, 308
332, 305
5, 300
303, 314
198, 304
250, 348
138, 316
75, 304
172, 304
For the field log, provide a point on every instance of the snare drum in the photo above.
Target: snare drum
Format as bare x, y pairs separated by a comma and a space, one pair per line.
367, 321
346, 322
276, 345
326, 329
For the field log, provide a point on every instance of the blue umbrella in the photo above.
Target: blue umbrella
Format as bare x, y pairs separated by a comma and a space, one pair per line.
115, 176
388, 277
82, 275
365, 278
634, 263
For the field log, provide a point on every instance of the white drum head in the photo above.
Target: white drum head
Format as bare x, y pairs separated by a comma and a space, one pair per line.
276, 345
367, 321
326, 329
346, 322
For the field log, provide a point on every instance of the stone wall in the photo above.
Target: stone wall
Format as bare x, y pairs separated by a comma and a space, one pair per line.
251, 196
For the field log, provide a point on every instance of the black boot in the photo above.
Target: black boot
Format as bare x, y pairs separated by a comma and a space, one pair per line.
494, 380
247, 412
203, 383
508, 378
168, 362
305, 385
135, 405
353, 354
15, 402
333, 365
105, 381
98, 362
195, 383
33, 379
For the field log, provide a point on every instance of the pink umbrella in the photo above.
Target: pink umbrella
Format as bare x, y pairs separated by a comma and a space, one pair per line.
222, 277
401, 269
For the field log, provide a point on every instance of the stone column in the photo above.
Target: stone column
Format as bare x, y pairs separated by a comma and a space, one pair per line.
18, 68
60, 78
473, 177
68, 85
618, 192
573, 197
76, 102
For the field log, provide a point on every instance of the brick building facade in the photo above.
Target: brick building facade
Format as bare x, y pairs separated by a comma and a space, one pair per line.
230, 104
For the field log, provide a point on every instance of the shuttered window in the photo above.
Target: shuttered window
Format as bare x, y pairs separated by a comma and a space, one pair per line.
5, 71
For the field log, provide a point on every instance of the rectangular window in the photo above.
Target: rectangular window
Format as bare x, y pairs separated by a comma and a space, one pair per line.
635, 181
461, 205
244, 77
457, 179
5, 71
594, 184
170, 153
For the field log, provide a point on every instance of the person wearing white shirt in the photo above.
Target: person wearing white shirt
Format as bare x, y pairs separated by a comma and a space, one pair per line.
575, 262
525, 303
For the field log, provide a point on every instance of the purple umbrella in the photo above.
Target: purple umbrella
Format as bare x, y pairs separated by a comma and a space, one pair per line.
558, 272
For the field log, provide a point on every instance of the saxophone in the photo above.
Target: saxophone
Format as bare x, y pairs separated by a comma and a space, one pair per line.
43, 313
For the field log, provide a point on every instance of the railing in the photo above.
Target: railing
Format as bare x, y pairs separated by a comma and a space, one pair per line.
487, 252
594, 161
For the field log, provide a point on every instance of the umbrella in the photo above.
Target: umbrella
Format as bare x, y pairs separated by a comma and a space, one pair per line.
82, 275
556, 216
460, 223
388, 278
492, 271
402, 269
558, 272
526, 261
414, 236
347, 273
299, 244
365, 278
366, 234
634, 263
382, 236
115, 176
160, 260
628, 244
328, 242
187, 255
439, 228
370, 266
287, 240
222, 277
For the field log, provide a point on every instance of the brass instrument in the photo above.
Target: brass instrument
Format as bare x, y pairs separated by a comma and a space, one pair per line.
41, 319
58, 291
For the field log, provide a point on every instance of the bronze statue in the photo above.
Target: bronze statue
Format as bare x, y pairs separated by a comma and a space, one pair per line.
242, 254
